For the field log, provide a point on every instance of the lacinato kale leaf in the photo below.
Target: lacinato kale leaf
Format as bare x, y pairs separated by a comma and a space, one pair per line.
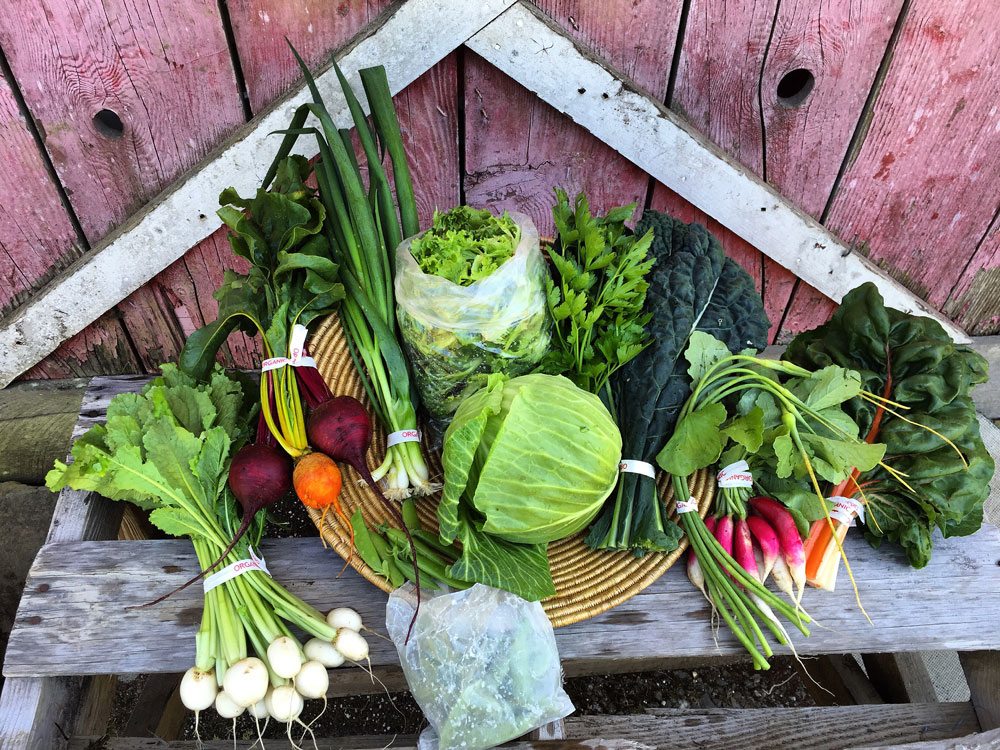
693, 287
931, 376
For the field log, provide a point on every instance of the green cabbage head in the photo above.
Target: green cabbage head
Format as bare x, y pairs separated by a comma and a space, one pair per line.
535, 456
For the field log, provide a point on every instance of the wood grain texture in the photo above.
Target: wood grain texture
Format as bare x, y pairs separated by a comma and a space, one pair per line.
34, 710
666, 146
163, 67
183, 299
924, 186
951, 604
36, 235
975, 300
517, 148
427, 108
982, 672
183, 216
750, 729
102, 348
900, 678
315, 27
816, 728
744, 50
979, 741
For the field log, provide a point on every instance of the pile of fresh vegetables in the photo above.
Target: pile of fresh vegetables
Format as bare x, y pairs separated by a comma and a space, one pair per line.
167, 451
562, 383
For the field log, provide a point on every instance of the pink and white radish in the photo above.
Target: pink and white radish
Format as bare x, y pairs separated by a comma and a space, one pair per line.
788, 537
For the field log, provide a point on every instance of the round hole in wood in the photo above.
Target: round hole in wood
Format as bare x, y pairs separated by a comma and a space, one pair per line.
795, 86
109, 124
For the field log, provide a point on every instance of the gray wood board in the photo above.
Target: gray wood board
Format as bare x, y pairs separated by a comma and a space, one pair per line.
73, 617
814, 728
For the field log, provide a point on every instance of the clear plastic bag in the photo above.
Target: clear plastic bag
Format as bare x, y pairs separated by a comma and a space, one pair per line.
482, 664
456, 335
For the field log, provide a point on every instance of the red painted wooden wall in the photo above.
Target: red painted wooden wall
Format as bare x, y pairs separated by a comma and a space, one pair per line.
878, 117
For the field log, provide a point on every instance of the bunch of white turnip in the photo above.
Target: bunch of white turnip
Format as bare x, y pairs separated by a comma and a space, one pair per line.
276, 683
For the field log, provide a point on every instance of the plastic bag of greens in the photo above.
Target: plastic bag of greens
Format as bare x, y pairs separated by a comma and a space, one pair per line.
470, 299
482, 665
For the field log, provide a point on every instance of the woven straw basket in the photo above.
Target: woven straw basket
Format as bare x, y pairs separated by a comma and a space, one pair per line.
587, 582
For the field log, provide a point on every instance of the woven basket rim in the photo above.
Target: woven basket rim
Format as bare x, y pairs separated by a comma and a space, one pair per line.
588, 582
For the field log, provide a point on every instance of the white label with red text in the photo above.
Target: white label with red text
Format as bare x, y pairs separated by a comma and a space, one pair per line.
634, 466
237, 568
735, 475
402, 436
846, 509
687, 506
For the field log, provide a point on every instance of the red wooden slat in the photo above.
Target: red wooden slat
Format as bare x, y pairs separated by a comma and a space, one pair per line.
162, 67
99, 349
517, 148
975, 301
315, 27
923, 188
183, 293
731, 62
37, 238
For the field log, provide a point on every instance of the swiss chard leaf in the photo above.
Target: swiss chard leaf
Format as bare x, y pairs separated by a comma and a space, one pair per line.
931, 377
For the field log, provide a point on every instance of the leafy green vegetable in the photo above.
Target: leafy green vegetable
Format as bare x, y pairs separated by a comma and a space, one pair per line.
596, 293
456, 334
291, 277
466, 244
364, 226
693, 287
167, 450
526, 461
930, 375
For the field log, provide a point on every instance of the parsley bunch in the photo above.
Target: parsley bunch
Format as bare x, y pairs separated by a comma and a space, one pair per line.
596, 294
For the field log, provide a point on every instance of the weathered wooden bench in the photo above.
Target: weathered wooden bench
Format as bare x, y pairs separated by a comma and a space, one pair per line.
73, 627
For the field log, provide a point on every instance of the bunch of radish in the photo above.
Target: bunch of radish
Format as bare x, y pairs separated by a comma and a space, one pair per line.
765, 544
276, 683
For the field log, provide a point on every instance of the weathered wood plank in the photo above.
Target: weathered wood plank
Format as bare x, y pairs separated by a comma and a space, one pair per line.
982, 672
517, 148
979, 741
837, 680
744, 50
975, 300
923, 187
163, 69
183, 302
184, 214
900, 678
35, 710
37, 237
817, 728
36, 420
954, 602
666, 147
342, 743
102, 348
315, 27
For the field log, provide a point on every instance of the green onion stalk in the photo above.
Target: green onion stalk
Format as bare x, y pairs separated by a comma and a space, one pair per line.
365, 229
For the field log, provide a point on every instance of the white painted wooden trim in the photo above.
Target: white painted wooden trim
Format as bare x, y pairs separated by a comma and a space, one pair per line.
415, 38
541, 58
422, 32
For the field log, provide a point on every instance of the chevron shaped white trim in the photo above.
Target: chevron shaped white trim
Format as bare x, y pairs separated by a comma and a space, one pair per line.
524, 45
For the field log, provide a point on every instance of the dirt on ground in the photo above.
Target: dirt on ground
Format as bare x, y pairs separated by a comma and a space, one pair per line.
728, 686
